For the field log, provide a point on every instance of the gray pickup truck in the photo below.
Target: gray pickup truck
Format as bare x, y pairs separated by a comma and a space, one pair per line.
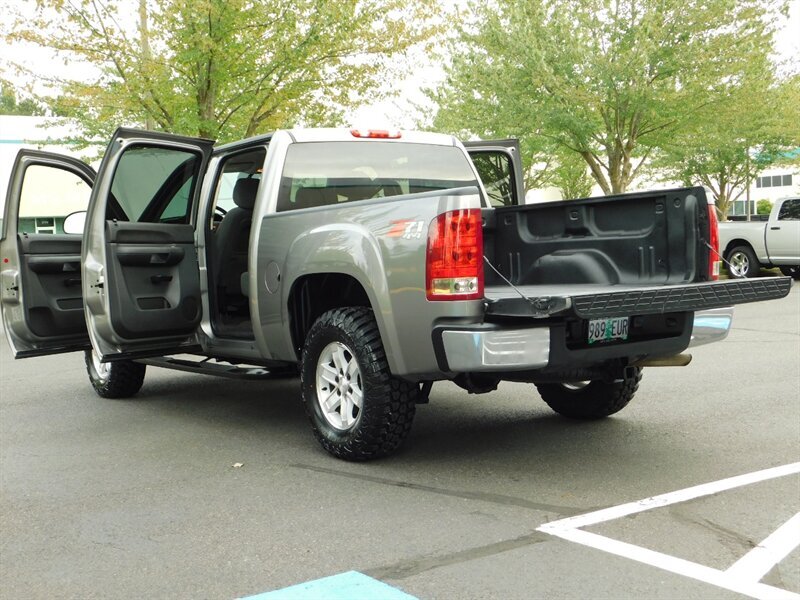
749, 246
372, 263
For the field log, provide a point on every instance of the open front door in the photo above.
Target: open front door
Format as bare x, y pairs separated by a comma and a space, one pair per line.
141, 281
40, 295
500, 168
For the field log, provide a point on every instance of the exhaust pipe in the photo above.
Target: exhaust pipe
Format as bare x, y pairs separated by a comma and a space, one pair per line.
678, 360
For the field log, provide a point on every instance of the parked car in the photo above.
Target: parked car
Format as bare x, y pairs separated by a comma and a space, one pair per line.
371, 262
746, 247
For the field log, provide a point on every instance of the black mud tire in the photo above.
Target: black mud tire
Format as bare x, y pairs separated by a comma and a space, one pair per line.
592, 400
793, 272
744, 259
388, 403
121, 379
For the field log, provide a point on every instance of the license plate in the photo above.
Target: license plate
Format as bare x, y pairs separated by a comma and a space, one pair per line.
604, 330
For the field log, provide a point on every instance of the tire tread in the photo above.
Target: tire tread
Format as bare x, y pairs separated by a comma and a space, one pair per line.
389, 402
125, 379
595, 401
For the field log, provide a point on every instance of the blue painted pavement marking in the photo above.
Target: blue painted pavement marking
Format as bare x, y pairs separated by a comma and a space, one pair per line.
345, 586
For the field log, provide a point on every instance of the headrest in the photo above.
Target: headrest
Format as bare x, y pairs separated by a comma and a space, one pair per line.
244, 193
309, 197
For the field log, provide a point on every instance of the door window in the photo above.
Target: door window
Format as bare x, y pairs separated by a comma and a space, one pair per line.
244, 165
154, 185
494, 169
49, 195
790, 211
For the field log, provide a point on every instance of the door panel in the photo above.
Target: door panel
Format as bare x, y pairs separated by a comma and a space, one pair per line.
40, 295
153, 278
783, 236
51, 276
140, 272
500, 168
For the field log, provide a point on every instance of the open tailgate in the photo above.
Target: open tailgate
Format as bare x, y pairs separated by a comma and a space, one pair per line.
589, 301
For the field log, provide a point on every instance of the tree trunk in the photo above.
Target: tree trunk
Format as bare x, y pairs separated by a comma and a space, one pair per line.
597, 172
723, 202
146, 53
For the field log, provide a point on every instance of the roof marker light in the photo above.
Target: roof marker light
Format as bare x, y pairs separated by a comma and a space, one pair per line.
376, 133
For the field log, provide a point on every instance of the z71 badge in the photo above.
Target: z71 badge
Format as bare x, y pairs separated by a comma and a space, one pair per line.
406, 229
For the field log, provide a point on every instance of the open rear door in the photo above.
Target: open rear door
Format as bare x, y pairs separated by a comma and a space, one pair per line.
42, 307
500, 168
141, 281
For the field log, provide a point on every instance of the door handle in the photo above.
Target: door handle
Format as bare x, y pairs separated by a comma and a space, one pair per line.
160, 278
774, 228
140, 256
70, 281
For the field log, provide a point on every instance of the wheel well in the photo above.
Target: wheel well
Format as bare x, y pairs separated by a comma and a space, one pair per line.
733, 243
313, 295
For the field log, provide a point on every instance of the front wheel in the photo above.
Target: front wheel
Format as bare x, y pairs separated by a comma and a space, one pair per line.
118, 379
357, 409
793, 272
742, 263
590, 399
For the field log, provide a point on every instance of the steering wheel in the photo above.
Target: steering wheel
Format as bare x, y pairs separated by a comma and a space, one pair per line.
216, 219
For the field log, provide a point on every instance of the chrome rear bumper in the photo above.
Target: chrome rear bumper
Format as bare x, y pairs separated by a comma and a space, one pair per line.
480, 349
711, 326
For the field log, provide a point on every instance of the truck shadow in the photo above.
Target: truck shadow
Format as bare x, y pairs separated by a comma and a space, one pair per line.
497, 433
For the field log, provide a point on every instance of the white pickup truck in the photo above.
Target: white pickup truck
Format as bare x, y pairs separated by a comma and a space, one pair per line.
746, 247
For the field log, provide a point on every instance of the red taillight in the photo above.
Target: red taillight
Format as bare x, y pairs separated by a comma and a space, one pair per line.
454, 263
375, 133
713, 241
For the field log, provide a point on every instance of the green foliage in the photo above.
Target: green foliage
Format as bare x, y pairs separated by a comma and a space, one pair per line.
10, 104
610, 81
571, 175
223, 69
763, 207
732, 141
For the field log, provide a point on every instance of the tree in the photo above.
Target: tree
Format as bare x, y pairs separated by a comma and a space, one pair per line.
724, 150
763, 207
607, 80
10, 104
570, 175
222, 69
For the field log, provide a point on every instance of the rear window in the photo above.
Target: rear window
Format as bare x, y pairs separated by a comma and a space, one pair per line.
325, 173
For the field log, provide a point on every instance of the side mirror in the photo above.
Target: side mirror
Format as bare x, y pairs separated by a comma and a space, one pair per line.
74, 222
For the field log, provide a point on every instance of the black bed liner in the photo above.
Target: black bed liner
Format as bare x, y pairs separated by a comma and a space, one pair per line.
592, 301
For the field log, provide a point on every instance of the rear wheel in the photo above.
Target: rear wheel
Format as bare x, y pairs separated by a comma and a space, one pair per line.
589, 399
742, 263
793, 272
357, 409
118, 379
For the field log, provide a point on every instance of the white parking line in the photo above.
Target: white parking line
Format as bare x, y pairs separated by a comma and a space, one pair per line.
697, 491
743, 577
760, 560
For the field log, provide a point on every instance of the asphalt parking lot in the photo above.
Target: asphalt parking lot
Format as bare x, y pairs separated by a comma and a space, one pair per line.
140, 498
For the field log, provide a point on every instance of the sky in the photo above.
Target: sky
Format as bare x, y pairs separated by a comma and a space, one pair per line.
398, 112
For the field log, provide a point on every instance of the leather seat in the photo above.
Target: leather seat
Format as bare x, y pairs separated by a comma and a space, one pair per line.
231, 241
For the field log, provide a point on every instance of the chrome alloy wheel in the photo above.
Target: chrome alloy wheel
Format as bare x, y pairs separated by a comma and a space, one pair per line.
339, 389
740, 264
101, 369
